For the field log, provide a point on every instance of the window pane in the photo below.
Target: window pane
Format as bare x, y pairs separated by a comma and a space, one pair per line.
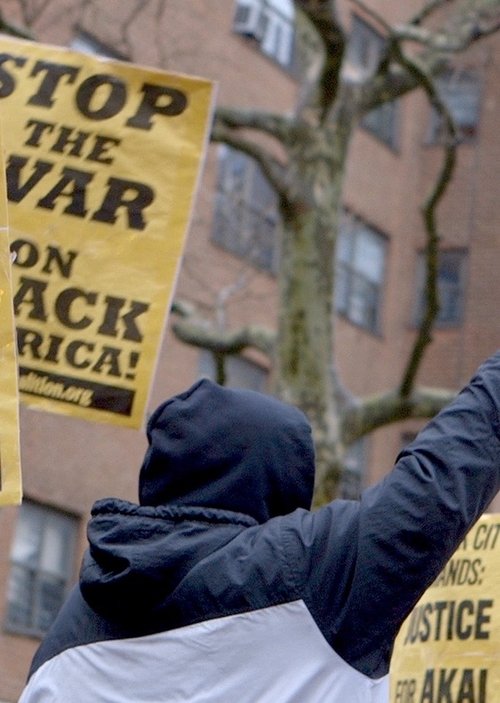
461, 94
28, 535
450, 274
364, 50
243, 14
449, 302
56, 544
20, 591
49, 596
363, 302
342, 289
382, 123
369, 256
345, 242
460, 91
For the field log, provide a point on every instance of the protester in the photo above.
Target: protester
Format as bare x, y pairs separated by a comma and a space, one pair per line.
222, 586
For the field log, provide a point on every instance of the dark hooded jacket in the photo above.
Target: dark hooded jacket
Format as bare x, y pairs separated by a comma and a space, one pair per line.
222, 586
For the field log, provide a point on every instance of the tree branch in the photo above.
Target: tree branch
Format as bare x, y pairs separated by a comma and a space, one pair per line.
322, 16
271, 167
429, 215
466, 28
429, 208
270, 123
381, 410
427, 11
190, 329
393, 80
447, 42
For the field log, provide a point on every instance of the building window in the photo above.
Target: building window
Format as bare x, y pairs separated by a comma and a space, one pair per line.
241, 372
271, 24
364, 53
88, 44
364, 50
360, 271
450, 287
460, 92
41, 567
246, 211
352, 478
382, 123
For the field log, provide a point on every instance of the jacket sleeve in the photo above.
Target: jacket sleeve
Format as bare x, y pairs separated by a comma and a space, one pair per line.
364, 565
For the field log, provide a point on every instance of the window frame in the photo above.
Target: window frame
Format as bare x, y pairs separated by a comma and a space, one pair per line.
36, 576
347, 273
239, 178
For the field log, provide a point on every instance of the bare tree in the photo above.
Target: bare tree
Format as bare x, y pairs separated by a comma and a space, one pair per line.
313, 146
308, 180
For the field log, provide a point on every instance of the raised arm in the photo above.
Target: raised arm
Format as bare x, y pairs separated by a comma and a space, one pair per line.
370, 562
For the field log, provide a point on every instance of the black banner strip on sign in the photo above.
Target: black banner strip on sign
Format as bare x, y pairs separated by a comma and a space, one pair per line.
85, 394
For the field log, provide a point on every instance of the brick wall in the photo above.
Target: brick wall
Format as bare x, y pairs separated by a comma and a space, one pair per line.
69, 464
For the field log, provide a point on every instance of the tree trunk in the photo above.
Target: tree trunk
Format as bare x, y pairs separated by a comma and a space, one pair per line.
305, 346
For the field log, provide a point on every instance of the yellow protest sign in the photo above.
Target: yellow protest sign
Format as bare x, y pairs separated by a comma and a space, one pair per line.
102, 163
10, 464
448, 650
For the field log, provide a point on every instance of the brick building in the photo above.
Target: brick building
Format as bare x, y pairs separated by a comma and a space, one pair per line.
247, 47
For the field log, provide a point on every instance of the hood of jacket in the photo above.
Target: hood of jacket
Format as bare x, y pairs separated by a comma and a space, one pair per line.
219, 461
230, 449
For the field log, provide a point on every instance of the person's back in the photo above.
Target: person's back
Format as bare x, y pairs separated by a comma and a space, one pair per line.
222, 586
